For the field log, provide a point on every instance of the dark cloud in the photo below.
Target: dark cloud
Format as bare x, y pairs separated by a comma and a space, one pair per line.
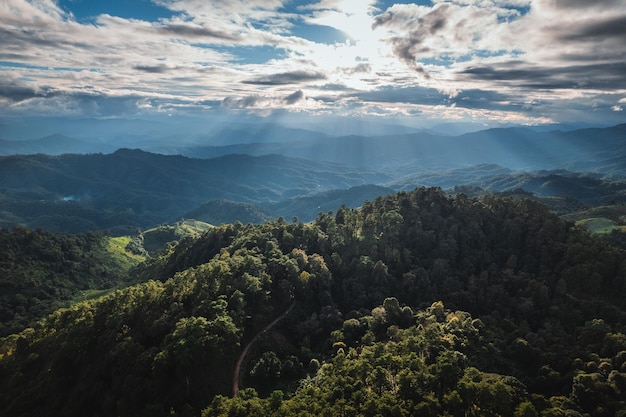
188, 31
409, 47
335, 87
493, 74
15, 92
294, 97
87, 101
243, 102
603, 76
152, 69
7, 57
611, 28
582, 4
292, 77
22, 38
470, 99
257, 101
487, 100
411, 95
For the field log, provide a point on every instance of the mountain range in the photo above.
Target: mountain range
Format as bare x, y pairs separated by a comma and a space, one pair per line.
301, 273
400, 151
128, 189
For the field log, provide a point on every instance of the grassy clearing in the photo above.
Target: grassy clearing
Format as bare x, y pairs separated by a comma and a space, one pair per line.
600, 225
615, 212
117, 248
196, 226
158, 238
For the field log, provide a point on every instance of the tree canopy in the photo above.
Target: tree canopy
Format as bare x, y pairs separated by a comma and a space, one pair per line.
417, 303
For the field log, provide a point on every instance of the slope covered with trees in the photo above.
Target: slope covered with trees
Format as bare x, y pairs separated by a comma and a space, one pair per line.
131, 189
415, 304
41, 271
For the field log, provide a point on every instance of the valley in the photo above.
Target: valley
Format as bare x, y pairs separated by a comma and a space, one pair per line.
430, 282
312, 208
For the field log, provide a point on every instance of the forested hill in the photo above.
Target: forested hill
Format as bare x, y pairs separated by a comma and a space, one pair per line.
41, 271
415, 304
131, 189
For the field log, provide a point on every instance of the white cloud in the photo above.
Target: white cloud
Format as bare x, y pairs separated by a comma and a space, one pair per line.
553, 52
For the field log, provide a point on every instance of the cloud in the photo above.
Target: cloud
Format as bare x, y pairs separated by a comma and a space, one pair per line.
418, 33
612, 27
231, 16
290, 77
294, 97
534, 58
412, 95
15, 93
195, 31
152, 69
595, 76
578, 4
246, 102
265, 103
361, 68
410, 46
425, 96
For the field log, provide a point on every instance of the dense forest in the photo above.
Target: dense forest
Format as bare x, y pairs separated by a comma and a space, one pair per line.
41, 271
418, 303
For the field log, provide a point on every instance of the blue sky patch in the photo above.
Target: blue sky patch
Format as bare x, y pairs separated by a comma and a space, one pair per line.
250, 54
39, 67
88, 10
319, 34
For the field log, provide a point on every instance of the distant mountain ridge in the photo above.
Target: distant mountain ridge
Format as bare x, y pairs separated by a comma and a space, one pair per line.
520, 148
222, 211
55, 144
133, 188
308, 207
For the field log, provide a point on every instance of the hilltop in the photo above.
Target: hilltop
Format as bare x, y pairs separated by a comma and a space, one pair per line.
415, 303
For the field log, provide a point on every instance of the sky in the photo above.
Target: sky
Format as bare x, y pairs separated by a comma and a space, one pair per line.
488, 62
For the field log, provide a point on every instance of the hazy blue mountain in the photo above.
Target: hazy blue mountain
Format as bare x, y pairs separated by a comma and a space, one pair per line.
449, 178
586, 188
518, 148
55, 144
128, 189
132, 188
398, 150
306, 208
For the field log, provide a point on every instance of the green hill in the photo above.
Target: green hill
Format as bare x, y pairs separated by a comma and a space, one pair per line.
601, 219
158, 238
417, 303
223, 211
41, 271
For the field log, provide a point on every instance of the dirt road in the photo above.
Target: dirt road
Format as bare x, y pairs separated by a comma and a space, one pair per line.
247, 348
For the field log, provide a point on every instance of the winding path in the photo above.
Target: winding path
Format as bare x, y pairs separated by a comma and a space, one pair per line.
243, 354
